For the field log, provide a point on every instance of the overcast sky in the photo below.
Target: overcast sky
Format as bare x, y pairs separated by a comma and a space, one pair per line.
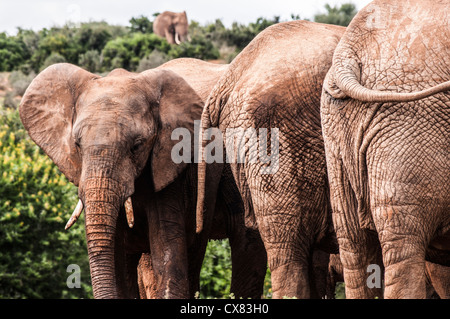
37, 14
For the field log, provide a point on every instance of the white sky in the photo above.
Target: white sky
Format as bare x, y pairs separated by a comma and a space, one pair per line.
37, 14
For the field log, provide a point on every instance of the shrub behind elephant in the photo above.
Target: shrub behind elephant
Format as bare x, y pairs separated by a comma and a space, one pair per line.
111, 136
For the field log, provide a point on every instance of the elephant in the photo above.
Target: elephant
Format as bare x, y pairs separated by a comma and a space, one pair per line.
385, 111
173, 26
275, 85
112, 137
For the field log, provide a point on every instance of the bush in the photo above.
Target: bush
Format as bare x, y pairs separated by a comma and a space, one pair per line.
13, 52
36, 200
20, 81
91, 61
215, 276
52, 59
153, 60
126, 52
198, 48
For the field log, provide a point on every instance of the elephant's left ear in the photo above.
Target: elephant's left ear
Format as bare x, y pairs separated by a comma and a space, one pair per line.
179, 107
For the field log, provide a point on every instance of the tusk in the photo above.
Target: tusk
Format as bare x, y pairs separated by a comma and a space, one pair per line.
177, 38
189, 38
129, 212
76, 213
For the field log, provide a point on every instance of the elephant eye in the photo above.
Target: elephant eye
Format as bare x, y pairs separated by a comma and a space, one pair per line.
137, 145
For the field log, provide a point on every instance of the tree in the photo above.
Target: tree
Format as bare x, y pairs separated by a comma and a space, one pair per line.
141, 24
13, 52
93, 36
339, 16
36, 200
240, 35
126, 52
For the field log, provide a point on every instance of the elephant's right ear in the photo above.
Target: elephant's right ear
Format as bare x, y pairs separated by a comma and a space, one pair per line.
47, 111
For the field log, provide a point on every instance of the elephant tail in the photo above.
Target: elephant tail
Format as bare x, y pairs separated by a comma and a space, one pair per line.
210, 118
343, 81
201, 179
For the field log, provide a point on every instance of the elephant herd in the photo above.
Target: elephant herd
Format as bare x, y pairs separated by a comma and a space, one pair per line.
357, 121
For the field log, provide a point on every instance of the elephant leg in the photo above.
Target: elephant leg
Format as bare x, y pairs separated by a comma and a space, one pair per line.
319, 274
358, 249
196, 253
288, 250
146, 277
439, 278
168, 249
126, 263
288, 236
290, 279
403, 250
170, 36
249, 262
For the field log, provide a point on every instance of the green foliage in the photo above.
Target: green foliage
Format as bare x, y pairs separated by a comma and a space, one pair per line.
93, 36
153, 60
52, 59
36, 200
91, 61
215, 276
141, 24
20, 81
240, 35
13, 52
340, 16
198, 47
125, 52
340, 290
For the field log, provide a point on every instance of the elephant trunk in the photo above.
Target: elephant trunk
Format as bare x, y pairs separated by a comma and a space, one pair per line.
343, 81
102, 205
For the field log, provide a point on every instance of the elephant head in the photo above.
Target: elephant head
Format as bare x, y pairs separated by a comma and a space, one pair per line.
181, 26
102, 132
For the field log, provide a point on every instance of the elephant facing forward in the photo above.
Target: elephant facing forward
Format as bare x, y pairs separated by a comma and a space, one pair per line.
111, 137
173, 26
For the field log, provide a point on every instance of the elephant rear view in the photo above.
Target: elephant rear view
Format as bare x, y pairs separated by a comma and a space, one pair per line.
270, 95
173, 26
386, 125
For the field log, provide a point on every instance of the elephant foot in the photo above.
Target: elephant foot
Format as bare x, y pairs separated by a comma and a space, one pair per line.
405, 280
297, 284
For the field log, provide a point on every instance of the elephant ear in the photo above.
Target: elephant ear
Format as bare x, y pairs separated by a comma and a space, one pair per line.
47, 112
179, 107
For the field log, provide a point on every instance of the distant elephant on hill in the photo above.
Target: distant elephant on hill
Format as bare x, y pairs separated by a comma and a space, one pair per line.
173, 26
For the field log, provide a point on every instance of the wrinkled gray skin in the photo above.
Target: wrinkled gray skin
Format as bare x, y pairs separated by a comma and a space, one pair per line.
385, 117
111, 136
437, 284
173, 26
276, 82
